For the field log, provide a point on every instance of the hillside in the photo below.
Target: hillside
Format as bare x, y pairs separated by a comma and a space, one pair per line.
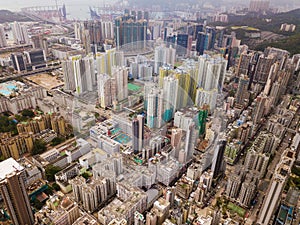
291, 44
289, 41
269, 22
8, 16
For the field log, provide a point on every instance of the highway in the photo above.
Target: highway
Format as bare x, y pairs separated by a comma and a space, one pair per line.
24, 74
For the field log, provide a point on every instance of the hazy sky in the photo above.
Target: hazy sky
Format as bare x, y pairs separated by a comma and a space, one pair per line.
17, 4
80, 8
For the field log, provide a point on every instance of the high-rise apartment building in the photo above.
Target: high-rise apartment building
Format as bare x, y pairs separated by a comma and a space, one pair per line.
164, 56
233, 185
190, 140
242, 94
176, 137
244, 63
248, 190
259, 5
130, 32
3, 42
14, 193
138, 133
120, 74
170, 97
154, 108
263, 68
256, 161
40, 42
209, 80
276, 187
106, 61
211, 72
79, 74
20, 33
93, 193
107, 92
259, 108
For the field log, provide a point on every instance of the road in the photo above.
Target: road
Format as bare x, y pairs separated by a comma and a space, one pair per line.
24, 74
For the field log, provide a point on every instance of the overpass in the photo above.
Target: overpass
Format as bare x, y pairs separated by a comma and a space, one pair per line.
24, 74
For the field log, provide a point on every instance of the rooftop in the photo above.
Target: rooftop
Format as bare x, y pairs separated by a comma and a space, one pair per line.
9, 166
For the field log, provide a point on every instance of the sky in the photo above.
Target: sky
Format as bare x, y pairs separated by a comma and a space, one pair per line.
79, 9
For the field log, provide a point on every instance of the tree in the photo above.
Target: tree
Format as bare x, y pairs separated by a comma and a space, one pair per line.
37, 204
39, 146
56, 187
50, 171
97, 115
85, 175
2, 158
57, 141
27, 113
7, 125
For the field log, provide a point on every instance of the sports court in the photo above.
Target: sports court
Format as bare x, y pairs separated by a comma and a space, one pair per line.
122, 138
133, 87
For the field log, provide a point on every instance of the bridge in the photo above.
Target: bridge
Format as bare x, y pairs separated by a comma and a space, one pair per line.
49, 14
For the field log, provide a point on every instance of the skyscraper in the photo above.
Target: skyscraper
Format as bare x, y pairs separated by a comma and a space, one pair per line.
244, 63
138, 133
170, 88
86, 41
202, 116
106, 61
190, 140
130, 31
20, 34
18, 62
14, 192
202, 43
242, 93
210, 79
276, 187
3, 42
256, 161
120, 74
154, 108
259, 108
211, 72
218, 158
263, 68
182, 44
79, 73
176, 137
106, 90
259, 5
233, 184
164, 56
248, 190
98, 31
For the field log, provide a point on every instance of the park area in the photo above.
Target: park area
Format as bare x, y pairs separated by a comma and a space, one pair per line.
240, 211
